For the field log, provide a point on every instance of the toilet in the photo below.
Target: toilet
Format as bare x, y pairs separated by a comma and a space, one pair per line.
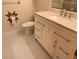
28, 27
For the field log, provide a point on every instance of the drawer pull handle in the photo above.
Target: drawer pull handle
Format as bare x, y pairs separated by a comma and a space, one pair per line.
37, 29
63, 51
57, 57
41, 23
38, 36
55, 44
62, 37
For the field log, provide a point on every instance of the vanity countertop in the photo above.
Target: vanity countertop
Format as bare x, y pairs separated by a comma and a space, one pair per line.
70, 23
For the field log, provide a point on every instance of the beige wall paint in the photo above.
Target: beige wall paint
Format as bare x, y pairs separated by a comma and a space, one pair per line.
25, 11
43, 5
34, 5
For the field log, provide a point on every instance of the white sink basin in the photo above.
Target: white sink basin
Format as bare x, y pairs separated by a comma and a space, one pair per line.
62, 18
54, 17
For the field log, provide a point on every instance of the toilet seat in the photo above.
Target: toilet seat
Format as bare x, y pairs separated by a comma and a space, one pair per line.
28, 24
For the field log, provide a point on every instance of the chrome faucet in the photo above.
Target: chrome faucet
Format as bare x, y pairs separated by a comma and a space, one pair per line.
63, 11
71, 15
71, 12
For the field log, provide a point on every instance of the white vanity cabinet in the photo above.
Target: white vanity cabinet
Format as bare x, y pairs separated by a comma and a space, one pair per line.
46, 39
59, 41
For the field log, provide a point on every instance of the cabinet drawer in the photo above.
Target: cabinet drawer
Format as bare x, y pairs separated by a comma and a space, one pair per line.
60, 55
41, 21
67, 37
65, 32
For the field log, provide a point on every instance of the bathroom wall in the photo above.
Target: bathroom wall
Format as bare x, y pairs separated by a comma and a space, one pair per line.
43, 5
35, 5
25, 13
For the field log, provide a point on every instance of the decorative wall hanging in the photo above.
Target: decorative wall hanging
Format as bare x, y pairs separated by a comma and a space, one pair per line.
11, 2
12, 16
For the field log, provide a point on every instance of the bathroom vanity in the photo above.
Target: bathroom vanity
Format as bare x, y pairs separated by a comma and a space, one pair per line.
58, 35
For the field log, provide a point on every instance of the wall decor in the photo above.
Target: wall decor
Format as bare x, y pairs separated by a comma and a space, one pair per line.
12, 16
11, 2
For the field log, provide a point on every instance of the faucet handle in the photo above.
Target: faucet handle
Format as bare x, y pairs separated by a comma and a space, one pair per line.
71, 12
72, 9
65, 12
61, 12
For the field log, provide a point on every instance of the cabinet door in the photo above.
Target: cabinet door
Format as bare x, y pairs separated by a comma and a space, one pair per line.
47, 40
59, 54
44, 33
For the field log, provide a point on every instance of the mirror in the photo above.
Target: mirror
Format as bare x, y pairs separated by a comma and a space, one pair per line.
57, 4
70, 5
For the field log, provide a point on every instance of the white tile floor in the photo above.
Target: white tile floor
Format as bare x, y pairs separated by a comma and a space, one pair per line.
18, 46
